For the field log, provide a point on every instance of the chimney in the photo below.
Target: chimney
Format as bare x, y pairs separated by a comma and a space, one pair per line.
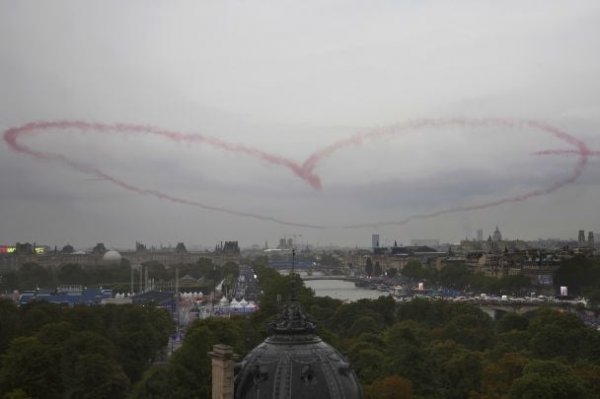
222, 371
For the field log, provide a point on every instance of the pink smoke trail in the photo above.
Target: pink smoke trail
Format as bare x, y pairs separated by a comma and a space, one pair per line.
131, 129
306, 170
582, 151
566, 152
11, 136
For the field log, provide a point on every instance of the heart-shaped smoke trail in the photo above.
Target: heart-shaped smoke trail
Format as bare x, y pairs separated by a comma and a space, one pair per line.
306, 170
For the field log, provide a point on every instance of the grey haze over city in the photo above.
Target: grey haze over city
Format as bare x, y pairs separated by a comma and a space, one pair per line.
289, 79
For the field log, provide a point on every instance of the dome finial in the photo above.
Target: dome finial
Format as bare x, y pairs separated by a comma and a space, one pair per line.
293, 297
292, 320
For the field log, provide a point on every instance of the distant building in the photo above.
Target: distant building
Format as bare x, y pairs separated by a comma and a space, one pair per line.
99, 249
111, 257
180, 248
425, 243
591, 242
70, 298
480, 235
497, 235
375, 241
581, 238
140, 247
285, 243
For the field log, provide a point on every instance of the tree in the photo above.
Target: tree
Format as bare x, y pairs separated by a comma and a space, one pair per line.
499, 376
547, 379
578, 273
413, 270
392, 387
364, 324
593, 296
96, 377
377, 270
512, 321
9, 322
369, 267
156, 384
556, 334
589, 373
81, 352
16, 394
406, 356
32, 275
35, 315
457, 371
71, 274
368, 363
190, 365
276, 291
30, 366
471, 330
345, 317
455, 276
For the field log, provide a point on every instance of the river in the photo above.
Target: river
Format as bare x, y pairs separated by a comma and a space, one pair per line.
344, 290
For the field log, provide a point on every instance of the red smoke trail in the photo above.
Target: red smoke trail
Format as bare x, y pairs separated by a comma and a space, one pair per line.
582, 151
414, 126
306, 170
11, 136
131, 129
589, 153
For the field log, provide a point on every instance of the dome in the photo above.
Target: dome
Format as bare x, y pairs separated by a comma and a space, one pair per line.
111, 257
293, 362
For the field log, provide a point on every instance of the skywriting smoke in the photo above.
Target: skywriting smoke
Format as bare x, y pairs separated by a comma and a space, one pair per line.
306, 170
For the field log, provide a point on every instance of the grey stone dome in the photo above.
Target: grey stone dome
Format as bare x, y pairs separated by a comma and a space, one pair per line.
112, 257
293, 362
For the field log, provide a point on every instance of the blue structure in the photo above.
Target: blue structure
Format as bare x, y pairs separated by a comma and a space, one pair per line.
91, 296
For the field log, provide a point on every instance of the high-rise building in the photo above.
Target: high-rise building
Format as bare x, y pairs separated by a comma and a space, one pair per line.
480, 235
591, 242
581, 238
375, 241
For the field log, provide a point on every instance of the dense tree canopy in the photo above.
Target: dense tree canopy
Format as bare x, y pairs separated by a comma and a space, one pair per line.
84, 352
419, 349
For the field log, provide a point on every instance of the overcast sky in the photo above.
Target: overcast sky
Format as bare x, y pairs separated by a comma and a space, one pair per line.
290, 78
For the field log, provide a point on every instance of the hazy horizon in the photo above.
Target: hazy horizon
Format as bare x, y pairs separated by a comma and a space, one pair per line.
259, 102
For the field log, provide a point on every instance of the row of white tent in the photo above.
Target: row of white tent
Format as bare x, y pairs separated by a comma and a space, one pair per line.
235, 304
193, 294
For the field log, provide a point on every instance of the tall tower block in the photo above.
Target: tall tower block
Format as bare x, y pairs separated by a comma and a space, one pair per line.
581, 238
375, 241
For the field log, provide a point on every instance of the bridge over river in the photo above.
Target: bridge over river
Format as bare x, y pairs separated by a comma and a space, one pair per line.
339, 278
493, 307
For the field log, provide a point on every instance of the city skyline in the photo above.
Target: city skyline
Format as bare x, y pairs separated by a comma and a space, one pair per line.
299, 241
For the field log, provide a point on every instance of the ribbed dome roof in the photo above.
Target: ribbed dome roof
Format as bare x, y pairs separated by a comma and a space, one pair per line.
295, 363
